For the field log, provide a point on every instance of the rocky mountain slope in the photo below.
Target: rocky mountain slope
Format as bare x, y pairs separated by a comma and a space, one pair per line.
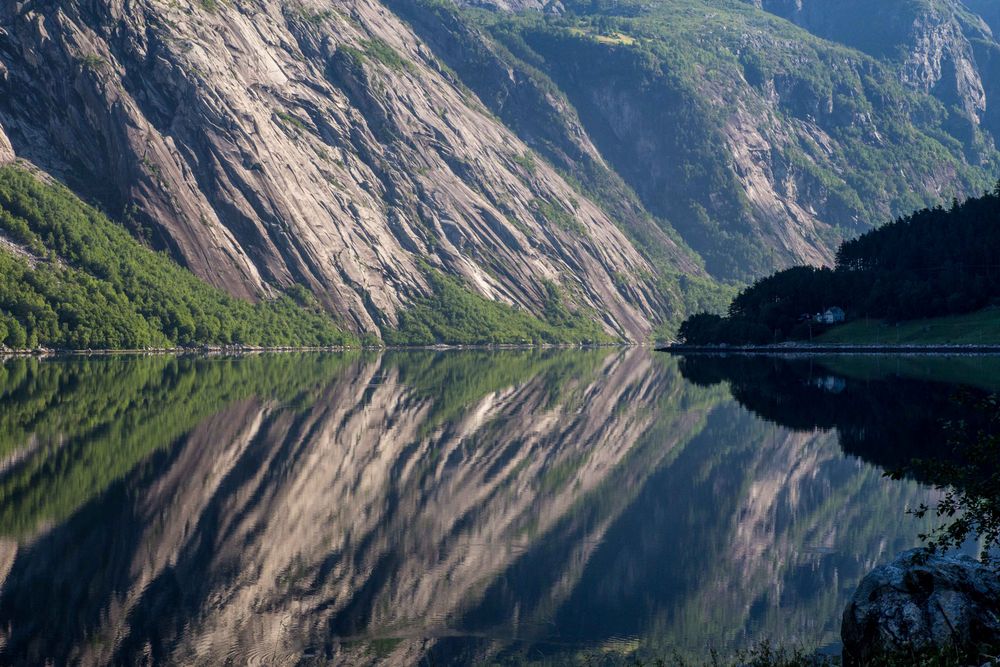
268, 143
760, 142
600, 158
946, 48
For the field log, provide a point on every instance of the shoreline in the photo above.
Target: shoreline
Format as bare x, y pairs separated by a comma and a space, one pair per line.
209, 350
847, 349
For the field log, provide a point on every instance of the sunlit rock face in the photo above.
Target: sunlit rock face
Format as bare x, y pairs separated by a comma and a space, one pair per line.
408, 507
270, 143
6, 150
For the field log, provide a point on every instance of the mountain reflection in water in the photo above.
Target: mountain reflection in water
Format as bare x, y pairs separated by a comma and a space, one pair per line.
426, 507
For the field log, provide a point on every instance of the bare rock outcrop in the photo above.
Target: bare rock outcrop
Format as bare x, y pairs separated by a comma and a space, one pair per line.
918, 603
271, 143
933, 43
6, 150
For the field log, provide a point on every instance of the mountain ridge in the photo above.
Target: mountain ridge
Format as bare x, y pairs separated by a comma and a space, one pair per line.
622, 158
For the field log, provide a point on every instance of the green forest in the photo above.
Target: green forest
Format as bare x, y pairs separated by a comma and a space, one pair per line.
81, 281
933, 263
455, 314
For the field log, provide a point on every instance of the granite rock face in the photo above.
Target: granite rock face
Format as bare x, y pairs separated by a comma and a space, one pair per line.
917, 603
350, 145
269, 143
6, 150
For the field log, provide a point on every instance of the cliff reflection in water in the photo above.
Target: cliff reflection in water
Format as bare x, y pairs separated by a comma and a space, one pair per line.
407, 507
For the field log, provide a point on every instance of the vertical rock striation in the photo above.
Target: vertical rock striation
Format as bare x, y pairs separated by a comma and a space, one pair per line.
270, 143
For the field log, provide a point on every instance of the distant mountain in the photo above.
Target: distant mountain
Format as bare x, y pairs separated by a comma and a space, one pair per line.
600, 160
761, 142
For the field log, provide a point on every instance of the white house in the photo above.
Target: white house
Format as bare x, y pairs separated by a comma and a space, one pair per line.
833, 315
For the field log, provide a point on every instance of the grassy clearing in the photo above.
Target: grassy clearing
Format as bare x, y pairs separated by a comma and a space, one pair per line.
982, 327
612, 38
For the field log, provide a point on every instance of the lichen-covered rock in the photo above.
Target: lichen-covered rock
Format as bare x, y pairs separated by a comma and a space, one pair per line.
920, 602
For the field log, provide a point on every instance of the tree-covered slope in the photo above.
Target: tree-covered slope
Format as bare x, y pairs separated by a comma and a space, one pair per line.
936, 262
761, 143
71, 278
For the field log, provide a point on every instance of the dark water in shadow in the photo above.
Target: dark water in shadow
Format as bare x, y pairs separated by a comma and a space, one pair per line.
446, 507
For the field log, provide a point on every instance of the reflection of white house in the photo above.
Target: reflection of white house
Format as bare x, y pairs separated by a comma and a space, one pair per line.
833, 315
830, 383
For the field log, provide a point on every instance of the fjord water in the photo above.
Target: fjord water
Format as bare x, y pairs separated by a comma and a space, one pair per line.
447, 507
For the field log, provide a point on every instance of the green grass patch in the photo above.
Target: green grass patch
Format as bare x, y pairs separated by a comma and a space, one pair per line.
290, 120
612, 38
979, 328
527, 161
381, 51
554, 213
93, 62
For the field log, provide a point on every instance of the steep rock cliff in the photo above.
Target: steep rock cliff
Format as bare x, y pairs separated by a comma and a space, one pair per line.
270, 143
584, 150
6, 150
945, 48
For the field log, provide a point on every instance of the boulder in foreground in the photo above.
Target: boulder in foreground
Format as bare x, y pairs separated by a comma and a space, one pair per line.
923, 603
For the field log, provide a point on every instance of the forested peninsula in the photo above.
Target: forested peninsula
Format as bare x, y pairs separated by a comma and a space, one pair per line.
932, 267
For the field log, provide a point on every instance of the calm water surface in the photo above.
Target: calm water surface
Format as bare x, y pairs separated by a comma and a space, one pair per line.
449, 507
